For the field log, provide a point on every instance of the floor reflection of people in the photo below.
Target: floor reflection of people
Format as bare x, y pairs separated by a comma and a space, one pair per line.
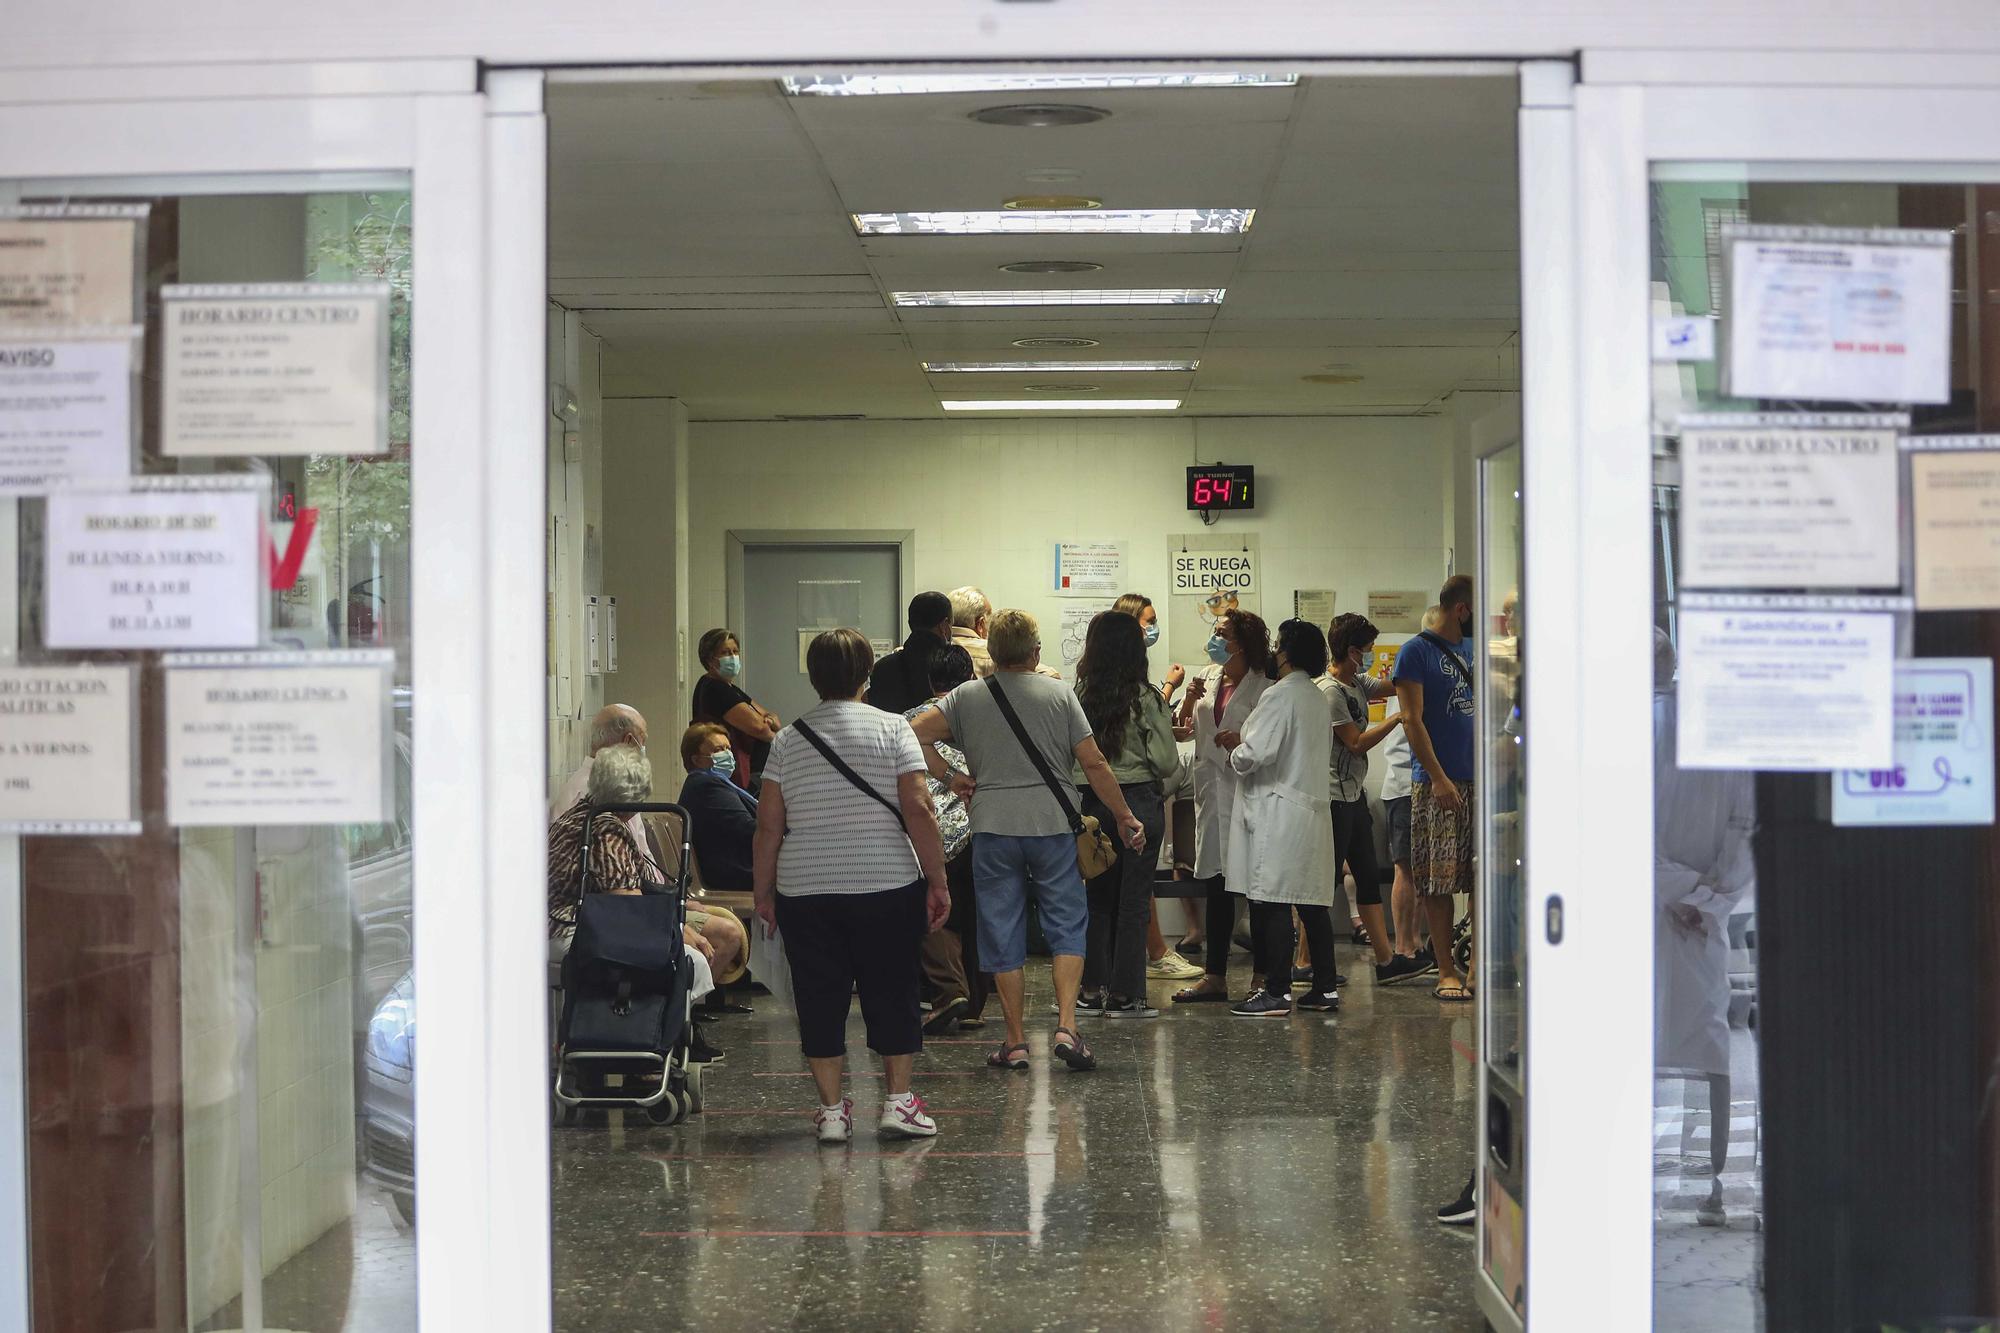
1702, 869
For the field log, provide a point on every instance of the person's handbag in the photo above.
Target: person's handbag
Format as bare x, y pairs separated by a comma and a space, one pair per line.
1095, 851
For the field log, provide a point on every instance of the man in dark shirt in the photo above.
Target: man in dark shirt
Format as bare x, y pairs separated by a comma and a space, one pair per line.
902, 679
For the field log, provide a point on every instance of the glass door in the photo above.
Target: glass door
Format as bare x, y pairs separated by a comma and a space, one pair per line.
1791, 393
243, 782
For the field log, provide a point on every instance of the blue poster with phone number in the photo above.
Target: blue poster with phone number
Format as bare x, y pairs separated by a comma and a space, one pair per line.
1944, 751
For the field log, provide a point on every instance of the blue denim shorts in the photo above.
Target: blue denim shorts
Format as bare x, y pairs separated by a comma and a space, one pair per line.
1003, 867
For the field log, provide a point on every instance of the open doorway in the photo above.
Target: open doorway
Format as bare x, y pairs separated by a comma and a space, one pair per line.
1008, 316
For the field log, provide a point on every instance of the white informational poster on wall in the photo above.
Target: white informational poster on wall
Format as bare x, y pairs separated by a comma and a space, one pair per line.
274, 368
170, 562
1781, 501
1955, 512
1075, 627
1943, 772
67, 745
1208, 574
1090, 569
1841, 315
70, 265
1786, 690
1398, 612
278, 738
65, 411
1314, 604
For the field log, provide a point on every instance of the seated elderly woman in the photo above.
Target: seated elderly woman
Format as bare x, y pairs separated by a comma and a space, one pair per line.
621, 775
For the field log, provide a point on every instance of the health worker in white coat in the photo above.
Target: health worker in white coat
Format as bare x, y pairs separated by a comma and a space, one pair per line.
1221, 699
1280, 848
1703, 871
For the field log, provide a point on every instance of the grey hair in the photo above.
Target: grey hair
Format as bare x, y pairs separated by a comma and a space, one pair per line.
620, 775
968, 606
615, 724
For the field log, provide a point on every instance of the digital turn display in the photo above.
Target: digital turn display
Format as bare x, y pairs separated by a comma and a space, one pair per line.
1220, 486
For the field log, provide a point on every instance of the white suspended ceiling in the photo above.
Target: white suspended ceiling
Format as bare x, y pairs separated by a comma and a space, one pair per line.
702, 229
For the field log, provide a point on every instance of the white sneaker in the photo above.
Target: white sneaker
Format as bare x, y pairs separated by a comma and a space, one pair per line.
1170, 966
835, 1124
905, 1118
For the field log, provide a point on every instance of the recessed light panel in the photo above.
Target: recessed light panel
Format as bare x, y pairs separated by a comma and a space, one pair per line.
1061, 405
889, 85
1060, 222
1066, 296
1045, 367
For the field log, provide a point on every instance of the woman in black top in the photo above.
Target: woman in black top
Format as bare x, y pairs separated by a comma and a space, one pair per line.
720, 700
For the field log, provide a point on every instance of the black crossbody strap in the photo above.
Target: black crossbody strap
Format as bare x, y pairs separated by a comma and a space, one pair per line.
1450, 652
840, 767
1041, 764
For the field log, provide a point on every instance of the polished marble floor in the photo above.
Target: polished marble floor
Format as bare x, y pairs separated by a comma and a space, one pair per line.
1214, 1173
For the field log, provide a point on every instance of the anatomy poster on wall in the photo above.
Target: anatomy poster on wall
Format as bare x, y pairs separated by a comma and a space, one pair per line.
66, 750
1943, 772
1955, 511
65, 411
70, 265
1209, 574
1790, 501
1839, 314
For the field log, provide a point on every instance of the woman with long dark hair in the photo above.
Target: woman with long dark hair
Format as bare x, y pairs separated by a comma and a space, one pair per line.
1136, 735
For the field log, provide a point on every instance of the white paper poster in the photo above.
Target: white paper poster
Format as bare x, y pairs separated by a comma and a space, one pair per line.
1090, 569
1209, 574
278, 738
1398, 612
65, 412
1943, 772
1786, 690
1075, 628
1839, 315
1777, 502
283, 368
162, 566
66, 750
1955, 510
1683, 338
69, 266
1315, 605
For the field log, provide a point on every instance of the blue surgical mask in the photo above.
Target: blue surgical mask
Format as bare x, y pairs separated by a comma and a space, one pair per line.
731, 667
723, 762
1218, 649
1152, 633
1367, 661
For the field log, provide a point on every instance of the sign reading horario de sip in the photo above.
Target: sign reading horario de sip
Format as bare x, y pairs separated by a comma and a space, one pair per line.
66, 750
275, 368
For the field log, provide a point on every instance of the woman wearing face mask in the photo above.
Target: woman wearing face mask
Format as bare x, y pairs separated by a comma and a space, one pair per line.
722, 817
1219, 700
1140, 608
719, 699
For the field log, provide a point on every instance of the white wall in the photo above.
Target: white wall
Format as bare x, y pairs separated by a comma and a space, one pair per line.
575, 520
1346, 503
645, 564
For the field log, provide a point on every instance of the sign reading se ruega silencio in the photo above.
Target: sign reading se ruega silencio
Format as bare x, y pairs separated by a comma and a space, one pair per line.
291, 369
66, 748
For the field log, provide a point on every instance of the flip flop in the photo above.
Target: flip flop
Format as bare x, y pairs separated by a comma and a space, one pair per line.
1195, 995
1452, 994
1004, 1058
1072, 1052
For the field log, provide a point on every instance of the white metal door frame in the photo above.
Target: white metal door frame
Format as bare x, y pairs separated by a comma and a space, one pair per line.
476, 166
1594, 1205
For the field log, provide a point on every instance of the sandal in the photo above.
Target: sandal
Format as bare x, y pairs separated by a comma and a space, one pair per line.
1004, 1058
1452, 994
1197, 994
1072, 1052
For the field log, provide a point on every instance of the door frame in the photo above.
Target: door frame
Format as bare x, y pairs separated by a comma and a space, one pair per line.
736, 539
474, 157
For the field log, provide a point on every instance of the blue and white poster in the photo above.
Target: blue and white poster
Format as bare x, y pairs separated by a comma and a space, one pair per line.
1943, 772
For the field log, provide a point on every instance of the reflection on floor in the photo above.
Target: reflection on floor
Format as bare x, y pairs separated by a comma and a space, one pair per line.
1707, 1277
1216, 1172
357, 1278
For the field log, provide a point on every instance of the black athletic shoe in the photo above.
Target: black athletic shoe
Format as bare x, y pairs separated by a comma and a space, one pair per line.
944, 1016
1322, 1002
1462, 1211
1399, 969
1427, 960
701, 1053
1262, 1004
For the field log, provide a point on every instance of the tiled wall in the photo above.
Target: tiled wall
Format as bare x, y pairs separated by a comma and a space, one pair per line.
305, 1029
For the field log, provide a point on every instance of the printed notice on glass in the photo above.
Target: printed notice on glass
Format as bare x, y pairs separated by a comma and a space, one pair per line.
69, 266
1314, 604
1843, 315
1955, 509
278, 738
157, 567
1796, 691
65, 411
1789, 506
291, 368
1943, 772
66, 750
1090, 569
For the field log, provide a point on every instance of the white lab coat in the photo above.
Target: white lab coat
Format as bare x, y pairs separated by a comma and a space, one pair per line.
1702, 825
1214, 783
1280, 847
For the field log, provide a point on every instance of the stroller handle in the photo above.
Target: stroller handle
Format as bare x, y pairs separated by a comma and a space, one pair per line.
680, 881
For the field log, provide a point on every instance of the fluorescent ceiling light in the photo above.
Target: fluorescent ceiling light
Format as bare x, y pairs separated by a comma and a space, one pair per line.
1067, 296
1061, 405
883, 85
1055, 367
1060, 222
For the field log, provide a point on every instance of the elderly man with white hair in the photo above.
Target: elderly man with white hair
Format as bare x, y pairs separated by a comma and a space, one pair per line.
971, 612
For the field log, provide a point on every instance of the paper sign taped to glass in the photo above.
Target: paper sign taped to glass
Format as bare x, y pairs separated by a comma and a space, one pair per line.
71, 265
1839, 314
66, 406
1943, 769
1955, 514
68, 739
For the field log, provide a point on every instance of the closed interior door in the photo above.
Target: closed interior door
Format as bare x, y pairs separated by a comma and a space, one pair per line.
792, 592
